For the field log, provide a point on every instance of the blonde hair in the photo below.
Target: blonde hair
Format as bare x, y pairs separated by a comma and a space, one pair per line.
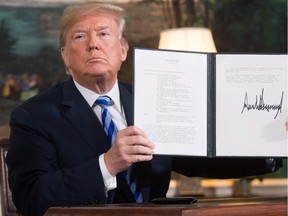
75, 12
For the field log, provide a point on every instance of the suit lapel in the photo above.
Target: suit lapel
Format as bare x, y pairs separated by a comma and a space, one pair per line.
127, 102
82, 117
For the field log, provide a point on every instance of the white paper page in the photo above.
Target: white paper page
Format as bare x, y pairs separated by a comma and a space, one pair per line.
251, 105
171, 100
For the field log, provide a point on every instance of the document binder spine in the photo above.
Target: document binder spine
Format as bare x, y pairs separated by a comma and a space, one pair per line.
211, 105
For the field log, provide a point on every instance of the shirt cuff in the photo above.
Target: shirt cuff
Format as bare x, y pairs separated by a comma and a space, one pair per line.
109, 180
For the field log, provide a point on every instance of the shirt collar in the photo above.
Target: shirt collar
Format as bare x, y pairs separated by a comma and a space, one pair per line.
91, 96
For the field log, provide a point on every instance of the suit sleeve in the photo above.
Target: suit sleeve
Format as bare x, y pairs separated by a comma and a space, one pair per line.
39, 178
223, 167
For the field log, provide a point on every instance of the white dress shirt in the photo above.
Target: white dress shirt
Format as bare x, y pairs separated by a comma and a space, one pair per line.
118, 116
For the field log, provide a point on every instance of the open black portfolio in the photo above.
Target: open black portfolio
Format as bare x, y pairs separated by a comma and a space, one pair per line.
212, 104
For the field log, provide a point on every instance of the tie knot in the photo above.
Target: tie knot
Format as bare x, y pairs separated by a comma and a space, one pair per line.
103, 100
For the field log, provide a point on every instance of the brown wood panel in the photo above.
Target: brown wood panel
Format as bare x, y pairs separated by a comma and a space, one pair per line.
115, 211
240, 210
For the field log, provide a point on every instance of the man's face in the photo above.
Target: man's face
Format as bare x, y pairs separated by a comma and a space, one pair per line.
93, 49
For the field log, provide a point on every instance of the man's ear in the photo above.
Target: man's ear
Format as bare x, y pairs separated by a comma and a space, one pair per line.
65, 56
124, 49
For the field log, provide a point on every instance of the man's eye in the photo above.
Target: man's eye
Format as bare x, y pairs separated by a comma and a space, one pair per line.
104, 34
79, 37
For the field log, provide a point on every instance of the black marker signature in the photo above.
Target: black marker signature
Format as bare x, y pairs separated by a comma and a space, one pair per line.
261, 106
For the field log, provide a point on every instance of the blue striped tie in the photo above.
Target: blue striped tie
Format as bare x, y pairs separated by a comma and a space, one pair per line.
111, 131
108, 124
131, 179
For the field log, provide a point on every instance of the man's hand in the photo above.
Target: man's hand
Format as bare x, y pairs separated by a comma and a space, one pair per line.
131, 145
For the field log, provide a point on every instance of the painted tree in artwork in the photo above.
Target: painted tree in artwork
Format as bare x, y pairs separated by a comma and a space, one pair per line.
6, 45
237, 25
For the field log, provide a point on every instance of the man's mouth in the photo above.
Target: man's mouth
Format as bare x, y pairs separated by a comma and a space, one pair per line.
95, 59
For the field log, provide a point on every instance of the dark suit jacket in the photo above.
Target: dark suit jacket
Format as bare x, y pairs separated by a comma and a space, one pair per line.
53, 158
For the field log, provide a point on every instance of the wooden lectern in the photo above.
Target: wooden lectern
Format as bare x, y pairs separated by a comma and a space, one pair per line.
255, 206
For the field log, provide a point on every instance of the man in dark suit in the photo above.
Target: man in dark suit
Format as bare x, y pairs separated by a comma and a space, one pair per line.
59, 153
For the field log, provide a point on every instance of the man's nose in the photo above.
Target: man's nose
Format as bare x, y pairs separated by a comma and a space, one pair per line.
93, 43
